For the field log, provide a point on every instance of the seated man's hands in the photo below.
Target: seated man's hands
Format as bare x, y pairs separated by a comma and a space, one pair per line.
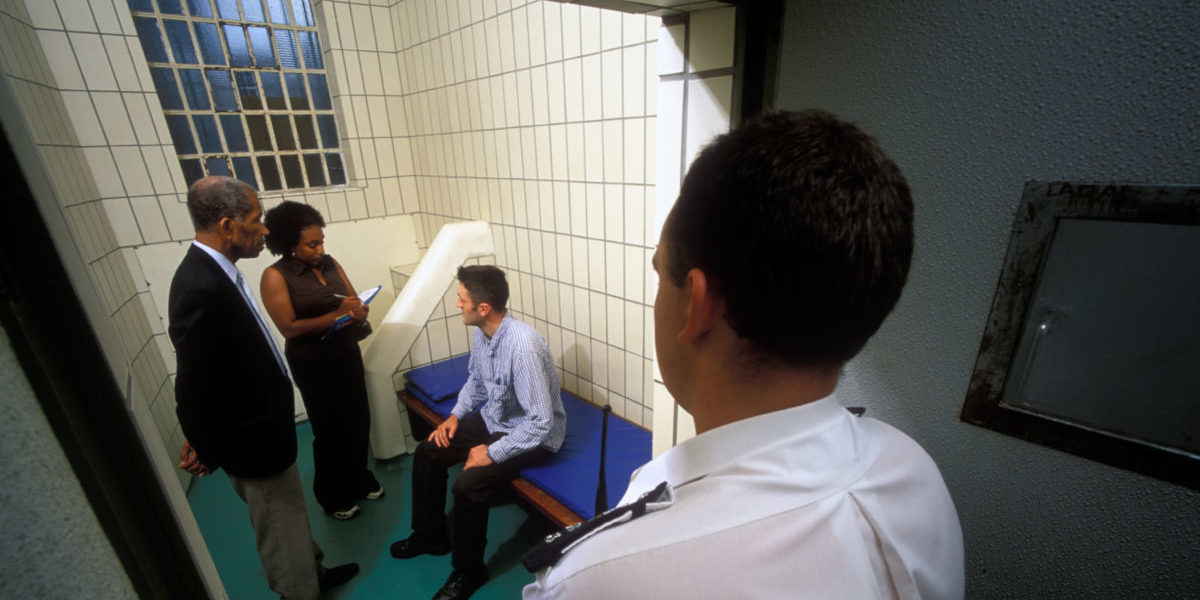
478, 457
444, 432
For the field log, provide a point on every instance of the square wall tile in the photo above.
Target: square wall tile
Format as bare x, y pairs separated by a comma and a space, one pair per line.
131, 167
44, 15
150, 220
93, 61
634, 327
74, 16
61, 59
613, 136
124, 225
84, 120
711, 39
104, 172
610, 81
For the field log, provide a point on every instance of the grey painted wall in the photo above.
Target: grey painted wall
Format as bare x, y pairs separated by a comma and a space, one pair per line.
53, 546
974, 99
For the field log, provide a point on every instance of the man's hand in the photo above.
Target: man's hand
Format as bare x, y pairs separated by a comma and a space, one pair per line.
478, 457
190, 462
444, 432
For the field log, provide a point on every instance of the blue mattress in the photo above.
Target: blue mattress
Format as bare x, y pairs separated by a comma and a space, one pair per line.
439, 381
571, 476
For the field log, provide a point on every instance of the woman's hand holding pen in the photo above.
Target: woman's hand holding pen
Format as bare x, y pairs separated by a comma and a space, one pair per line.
354, 307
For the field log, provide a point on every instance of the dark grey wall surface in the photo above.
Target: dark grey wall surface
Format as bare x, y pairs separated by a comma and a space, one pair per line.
972, 100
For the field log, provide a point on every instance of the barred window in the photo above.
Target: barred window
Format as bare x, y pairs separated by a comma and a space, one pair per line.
243, 87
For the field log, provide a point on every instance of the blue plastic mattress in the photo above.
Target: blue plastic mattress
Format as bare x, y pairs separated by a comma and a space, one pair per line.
571, 476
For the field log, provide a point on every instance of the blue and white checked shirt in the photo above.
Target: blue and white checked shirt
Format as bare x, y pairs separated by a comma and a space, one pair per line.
513, 376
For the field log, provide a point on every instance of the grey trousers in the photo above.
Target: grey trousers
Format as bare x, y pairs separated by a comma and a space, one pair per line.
290, 557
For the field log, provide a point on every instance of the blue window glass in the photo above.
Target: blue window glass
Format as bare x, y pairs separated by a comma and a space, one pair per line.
273, 90
253, 10
283, 132
224, 99
288, 57
247, 87
310, 47
305, 132
279, 12
210, 43
296, 92
235, 135
244, 167
194, 90
191, 170
181, 134
329, 136
217, 165
239, 52
152, 43
291, 170
337, 174
320, 92
260, 40
315, 170
270, 172
181, 41
168, 92
170, 7
228, 9
199, 8
259, 135
206, 131
303, 12
141, 5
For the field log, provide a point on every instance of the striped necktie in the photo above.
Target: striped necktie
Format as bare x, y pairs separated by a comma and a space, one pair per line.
249, 298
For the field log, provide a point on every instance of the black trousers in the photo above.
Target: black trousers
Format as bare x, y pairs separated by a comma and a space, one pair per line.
335, 396
472, 490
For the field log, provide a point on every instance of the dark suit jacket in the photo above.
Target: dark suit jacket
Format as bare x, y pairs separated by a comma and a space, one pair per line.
233, 401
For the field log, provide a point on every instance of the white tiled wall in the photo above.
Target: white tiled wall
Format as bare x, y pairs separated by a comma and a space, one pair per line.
539, 117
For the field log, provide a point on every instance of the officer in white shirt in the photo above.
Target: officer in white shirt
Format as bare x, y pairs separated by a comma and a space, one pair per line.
789, 244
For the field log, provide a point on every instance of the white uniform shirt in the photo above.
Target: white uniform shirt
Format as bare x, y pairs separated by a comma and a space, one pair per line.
808, 502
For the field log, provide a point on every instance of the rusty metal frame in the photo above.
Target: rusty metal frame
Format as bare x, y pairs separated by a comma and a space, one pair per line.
1043, 204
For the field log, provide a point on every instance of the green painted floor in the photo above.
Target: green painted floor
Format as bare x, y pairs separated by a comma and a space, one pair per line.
365, 540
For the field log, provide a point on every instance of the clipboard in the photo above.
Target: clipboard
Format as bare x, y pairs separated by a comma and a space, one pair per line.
343, 321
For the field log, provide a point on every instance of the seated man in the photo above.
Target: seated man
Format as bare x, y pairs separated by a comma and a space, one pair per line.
788, 246
511, 375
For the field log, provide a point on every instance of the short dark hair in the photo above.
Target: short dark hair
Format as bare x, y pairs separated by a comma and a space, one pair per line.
216, 197
286, 221
485, 283
805, 228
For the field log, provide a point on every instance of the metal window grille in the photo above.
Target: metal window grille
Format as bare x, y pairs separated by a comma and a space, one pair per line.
244, 90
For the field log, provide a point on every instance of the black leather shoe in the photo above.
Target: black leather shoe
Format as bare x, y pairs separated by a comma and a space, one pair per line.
338, 575
460, 586
414, 546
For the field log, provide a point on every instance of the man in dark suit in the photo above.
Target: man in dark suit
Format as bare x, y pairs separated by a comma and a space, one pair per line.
233, 396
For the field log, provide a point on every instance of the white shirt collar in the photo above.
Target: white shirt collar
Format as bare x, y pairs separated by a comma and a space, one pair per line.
222, 261
731, 443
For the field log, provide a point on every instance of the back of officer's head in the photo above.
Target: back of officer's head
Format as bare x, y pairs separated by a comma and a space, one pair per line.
804, 227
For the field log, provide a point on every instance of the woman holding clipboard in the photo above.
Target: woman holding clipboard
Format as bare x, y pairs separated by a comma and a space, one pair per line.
306, 293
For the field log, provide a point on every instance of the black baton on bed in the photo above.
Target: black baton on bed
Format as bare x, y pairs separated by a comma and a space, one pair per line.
601, 485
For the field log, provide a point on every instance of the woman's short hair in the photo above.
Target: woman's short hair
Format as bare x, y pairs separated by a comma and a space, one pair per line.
285, 222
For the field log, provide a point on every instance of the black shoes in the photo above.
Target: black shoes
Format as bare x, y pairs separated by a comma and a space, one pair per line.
338, 575
415, 546
460, 586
